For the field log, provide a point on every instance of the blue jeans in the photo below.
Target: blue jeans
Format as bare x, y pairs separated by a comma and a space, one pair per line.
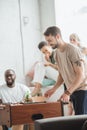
79, 100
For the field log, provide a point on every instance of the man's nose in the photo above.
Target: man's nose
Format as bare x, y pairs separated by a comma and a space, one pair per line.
9, 77
49, 43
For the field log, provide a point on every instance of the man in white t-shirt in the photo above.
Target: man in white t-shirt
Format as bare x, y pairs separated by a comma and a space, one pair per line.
12, 92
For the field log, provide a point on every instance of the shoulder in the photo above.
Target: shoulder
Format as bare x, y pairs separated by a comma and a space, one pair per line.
2, 86
73, 49
74, 53
21, 85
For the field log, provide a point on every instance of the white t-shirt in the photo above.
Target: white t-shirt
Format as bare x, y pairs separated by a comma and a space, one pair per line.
13, 95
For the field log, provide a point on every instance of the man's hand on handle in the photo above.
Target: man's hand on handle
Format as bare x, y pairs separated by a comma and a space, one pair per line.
49, 92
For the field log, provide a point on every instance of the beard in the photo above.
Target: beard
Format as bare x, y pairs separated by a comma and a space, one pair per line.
55, 46
10, 83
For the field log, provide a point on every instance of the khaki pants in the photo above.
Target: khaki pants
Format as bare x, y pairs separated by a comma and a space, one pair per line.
20, 127
29, 127
17, 127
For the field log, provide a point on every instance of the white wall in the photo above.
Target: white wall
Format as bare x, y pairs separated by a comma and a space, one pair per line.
10, 40
47, 14
18, 37
31, 32
71, 17
22, 23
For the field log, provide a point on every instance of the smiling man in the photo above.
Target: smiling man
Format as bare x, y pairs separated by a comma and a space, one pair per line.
72, 70
12, 92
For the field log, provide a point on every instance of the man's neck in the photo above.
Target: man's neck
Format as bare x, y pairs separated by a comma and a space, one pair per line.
62, 46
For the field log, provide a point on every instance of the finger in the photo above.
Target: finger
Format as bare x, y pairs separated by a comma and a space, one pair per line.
62, 99
46, 95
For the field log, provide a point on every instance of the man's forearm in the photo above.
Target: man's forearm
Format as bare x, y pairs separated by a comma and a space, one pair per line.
75, 85
59, 82
54, 66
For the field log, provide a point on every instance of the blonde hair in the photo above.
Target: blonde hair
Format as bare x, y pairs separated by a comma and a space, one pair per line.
75, 37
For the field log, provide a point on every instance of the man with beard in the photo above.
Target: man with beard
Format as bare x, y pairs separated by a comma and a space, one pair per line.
72, 71
12, 92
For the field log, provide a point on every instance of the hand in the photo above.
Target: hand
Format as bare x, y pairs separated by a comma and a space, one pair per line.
47, 63
47, 57
65, 98
49, 93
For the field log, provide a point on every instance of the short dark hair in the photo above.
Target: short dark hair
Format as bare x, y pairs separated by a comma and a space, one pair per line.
8, 70
42, 44
53, 30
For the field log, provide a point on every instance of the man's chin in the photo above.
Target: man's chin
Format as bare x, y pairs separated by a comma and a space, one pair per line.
54, 47
9, 83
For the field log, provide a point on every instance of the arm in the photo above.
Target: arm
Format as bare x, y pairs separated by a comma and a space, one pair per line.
79, 71
56, 86
54, 66
51, 65
48, 62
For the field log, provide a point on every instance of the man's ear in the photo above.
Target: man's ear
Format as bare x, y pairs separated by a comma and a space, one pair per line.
15, 76
58, 36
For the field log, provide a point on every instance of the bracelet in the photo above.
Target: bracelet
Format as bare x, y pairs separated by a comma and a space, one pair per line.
67, 93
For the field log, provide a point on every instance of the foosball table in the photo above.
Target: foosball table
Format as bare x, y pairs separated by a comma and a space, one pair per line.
27, 113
